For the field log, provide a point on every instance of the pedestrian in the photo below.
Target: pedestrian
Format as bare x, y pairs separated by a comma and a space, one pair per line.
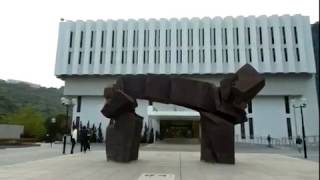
299, 143
88, 139
84, 139
269, 140
73, 138
151, 136
81, 138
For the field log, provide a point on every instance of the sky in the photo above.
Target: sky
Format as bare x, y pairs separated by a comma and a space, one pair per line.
29, 28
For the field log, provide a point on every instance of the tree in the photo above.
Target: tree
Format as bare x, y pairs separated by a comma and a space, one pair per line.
31, 120
57, 129
93, 133
100, 136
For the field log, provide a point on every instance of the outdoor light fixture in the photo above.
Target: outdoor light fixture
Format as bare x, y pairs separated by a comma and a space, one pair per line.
66, 102
301, 103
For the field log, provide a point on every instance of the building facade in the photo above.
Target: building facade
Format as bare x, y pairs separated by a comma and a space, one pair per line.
91, 55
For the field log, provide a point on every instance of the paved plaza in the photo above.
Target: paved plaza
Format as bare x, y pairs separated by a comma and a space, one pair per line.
180, 161
13, 155
183, 165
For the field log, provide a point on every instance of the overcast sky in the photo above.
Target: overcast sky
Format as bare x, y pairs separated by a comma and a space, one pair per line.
29, 28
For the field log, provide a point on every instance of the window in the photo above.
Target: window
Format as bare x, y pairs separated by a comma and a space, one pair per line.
250, 107
69, 57
101, 57
202, 37
113, 34
215, 55
80, 57
102, 38
284, 34
243, 131
289, 128
144, 57
158, 57
226, 55
180, 56
298, 54
147, 60
180, 37
261, 54
238, 55
203, 56
285, 54
237, 36
250, 55
272, 36
78, 103
123, 38
286, 103
274, 55
90, 57
226, 36
191, 56
295, 34
81, 39
122, 57
214, 36
177, 56
251, 128
260, 35
189, 37
111, 57
91, 40
249, 39
177, 38
145, 38
134, 56
70, 39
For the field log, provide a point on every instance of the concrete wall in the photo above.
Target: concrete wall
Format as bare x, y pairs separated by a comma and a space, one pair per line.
8, 131
185, 46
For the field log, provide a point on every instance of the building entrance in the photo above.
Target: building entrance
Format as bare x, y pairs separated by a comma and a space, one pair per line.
179, 129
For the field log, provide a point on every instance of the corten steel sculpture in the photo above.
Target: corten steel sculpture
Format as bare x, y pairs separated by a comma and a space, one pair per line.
220, 109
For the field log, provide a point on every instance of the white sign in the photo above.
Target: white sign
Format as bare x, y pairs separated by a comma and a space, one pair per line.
156, 176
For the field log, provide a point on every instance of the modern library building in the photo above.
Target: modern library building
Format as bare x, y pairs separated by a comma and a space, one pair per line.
91, 55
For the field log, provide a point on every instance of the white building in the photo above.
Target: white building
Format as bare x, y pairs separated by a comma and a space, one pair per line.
91, 55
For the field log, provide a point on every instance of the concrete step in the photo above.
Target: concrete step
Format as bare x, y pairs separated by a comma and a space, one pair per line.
180, 141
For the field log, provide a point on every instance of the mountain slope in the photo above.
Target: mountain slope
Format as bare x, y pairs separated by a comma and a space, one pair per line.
44, 100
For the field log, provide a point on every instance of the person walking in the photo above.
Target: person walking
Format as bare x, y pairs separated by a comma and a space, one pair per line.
81, 138
73, 138
88, 139
269, 140
84, 139
299, 143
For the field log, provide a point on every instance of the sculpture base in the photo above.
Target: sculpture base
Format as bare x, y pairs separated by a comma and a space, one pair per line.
217, 139
123, 137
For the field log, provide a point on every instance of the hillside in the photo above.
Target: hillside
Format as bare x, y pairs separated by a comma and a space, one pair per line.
44, 100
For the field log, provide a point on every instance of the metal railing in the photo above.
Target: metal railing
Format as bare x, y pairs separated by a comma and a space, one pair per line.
311, 140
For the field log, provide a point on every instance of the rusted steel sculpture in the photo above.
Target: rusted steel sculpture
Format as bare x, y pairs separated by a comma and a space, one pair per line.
220, 109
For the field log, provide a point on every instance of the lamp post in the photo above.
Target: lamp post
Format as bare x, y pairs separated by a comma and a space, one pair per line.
302, 104
53, 121
66, 102
294, 117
